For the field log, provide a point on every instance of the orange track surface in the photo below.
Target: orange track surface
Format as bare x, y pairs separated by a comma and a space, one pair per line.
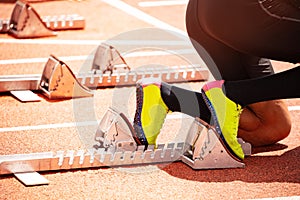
270, 172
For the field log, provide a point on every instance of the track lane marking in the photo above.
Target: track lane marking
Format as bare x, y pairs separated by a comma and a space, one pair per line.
143, 16
92, 123
49, 126
96, 42
293, 108
71, 124
55, 42
91, 57
43, 60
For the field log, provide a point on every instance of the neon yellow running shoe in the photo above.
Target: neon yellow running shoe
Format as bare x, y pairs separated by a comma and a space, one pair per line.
150, 112
225, 114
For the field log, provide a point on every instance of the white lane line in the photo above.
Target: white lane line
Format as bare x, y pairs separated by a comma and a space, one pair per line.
91, 57
162, 3
43, 60
48, 126
97, 42
70, 124
55, 42
291, 108
143, 16
92, 123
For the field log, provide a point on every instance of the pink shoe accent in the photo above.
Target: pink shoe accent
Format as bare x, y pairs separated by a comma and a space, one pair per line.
213, 84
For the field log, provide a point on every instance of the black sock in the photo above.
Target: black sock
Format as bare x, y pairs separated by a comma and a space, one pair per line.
282, 85
185, 101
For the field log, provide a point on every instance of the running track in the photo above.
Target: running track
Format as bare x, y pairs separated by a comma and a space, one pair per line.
271, 172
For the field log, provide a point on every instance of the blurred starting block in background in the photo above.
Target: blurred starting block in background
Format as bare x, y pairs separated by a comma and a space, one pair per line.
25, 22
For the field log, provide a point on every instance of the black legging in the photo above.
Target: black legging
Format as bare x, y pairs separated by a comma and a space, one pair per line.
233, 36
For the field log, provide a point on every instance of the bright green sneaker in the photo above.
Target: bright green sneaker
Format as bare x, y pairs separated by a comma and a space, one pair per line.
150, 112
225, 114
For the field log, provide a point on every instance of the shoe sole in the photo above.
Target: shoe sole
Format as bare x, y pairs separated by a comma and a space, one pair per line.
139, 134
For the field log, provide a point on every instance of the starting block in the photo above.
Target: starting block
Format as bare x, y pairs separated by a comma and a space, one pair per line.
58, 81
206, 149
203, 148
114, 146
114, 61
25, 22
108, 69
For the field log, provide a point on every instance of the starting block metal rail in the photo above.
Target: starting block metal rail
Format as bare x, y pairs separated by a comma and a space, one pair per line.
25, 22
109, 69
115, 146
